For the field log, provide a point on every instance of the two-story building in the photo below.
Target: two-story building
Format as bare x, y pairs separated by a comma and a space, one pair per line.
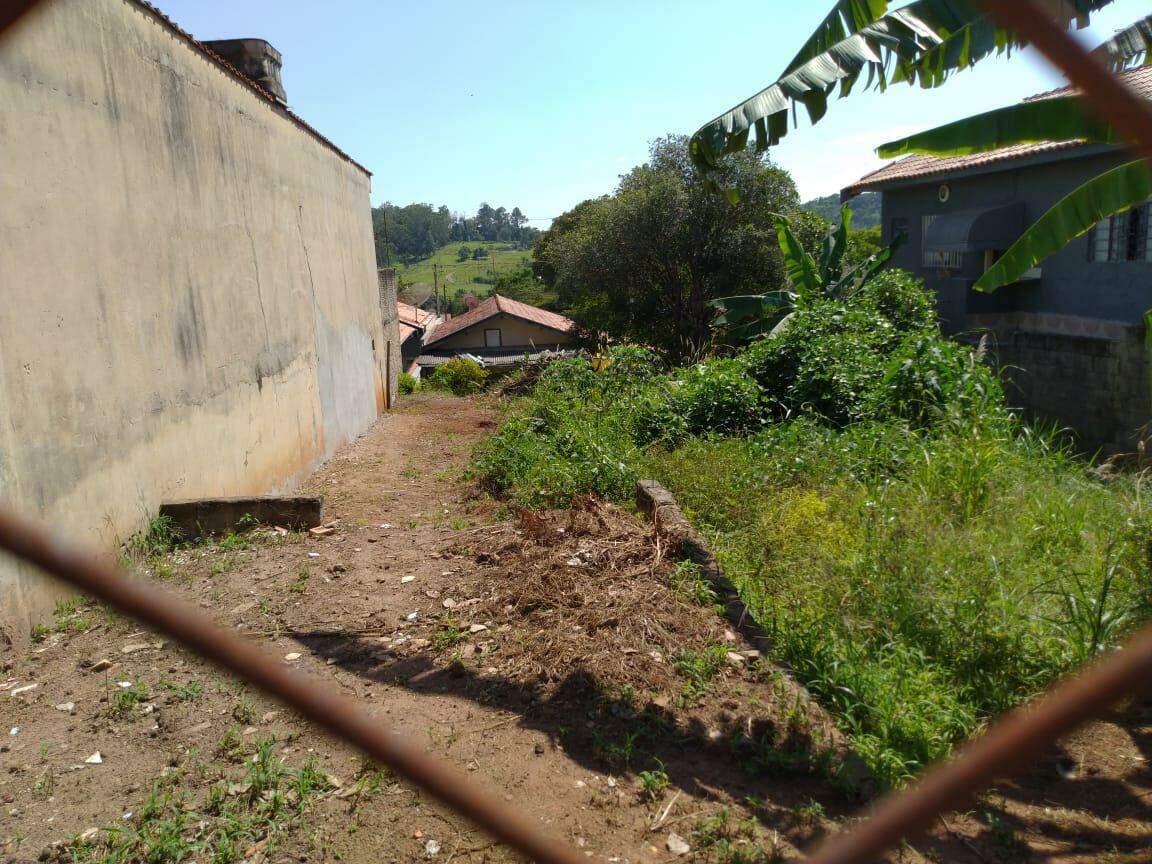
1070, 336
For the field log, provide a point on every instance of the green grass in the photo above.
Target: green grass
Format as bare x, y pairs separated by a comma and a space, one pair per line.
259, 804
502, 257
127, 700
918, 580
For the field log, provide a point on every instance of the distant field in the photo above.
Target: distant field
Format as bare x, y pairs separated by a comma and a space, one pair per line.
459, 274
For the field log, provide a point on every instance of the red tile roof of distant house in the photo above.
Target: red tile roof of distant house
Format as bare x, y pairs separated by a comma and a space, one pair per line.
495, 305
406, 330
913, 167
414, 316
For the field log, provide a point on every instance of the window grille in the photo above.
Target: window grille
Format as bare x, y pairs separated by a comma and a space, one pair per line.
1123, 237
937, 260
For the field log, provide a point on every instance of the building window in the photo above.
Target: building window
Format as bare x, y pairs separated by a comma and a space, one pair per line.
897, 228
492, 338
1123, 237
933, 260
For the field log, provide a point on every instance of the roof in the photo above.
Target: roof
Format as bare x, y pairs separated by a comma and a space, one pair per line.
496, 305
412, 315
916, 166
240, 77
406, 330
488, 359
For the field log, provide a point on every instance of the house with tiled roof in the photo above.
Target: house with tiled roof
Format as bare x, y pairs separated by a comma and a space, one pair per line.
1070, 335
500, 331
416, 326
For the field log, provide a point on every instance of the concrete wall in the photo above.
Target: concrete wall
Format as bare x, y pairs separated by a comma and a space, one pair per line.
1086, 375
190, 304
1071, 345
514, 332
393, 362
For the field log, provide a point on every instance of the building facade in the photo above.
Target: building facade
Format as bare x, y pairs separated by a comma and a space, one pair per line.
190, 295
1070, 336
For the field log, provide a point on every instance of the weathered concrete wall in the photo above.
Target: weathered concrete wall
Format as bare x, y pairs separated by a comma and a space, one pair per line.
514, 332
1087, 375
190, 304
393, 364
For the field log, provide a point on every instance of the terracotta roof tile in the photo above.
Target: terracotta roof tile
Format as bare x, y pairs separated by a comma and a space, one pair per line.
495, 305
406, 330
916, 166
412, 315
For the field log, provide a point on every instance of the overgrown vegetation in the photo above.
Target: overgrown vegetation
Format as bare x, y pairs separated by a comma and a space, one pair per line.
460, 376
922, 560
407, 384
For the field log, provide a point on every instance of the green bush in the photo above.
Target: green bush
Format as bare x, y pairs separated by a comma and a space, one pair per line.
408, 384
460, 376
929, 378
878, 355
716, 397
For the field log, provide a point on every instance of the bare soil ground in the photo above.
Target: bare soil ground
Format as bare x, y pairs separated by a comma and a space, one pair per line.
561, 658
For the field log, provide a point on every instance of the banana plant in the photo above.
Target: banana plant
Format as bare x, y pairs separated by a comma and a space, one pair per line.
747, 316
1056, 118
923, 42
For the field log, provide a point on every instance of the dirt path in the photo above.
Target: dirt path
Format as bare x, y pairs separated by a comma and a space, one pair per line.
365, 607
536, 654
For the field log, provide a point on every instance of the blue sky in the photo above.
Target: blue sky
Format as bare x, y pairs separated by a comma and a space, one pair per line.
543, 104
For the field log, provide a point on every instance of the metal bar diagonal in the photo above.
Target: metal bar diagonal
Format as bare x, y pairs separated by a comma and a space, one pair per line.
318, 702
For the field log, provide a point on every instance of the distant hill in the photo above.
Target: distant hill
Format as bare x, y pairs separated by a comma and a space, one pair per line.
865, 209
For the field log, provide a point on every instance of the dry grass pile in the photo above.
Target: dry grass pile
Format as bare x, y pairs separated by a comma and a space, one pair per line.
593, 602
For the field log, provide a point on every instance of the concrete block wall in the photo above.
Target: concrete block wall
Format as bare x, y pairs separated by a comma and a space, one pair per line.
1087, 375
190, 304
391, 324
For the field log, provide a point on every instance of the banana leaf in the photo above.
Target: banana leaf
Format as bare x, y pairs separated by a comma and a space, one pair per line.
1105, 195
1061, 118
1129, 47
922, 42
854, 280
746, 316
833, 247
798, 263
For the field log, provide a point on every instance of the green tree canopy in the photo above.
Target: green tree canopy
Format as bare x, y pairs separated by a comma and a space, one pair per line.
643, 262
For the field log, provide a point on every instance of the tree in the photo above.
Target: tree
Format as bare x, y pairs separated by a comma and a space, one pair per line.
463, 253
642, 263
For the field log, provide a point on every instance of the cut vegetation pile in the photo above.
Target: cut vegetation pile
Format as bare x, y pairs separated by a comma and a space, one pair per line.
602, 618
921, 559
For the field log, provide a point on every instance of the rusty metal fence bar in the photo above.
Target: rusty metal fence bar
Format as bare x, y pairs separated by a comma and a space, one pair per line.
1009, 745
318, 702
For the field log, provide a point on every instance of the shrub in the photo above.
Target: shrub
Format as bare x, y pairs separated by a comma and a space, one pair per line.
408, 384
878, 355
930, 379
460, 376
716, 397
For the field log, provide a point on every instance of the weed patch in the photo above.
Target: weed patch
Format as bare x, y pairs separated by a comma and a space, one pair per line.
921, 560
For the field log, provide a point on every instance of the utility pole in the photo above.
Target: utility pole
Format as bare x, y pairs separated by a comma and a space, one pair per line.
436, 286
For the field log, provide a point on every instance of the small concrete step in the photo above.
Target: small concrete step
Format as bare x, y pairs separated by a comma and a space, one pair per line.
208, 516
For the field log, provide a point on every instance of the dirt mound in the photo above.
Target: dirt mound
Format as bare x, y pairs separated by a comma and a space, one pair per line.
595, 603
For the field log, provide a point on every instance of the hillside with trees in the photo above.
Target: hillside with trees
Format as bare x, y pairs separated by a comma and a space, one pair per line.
865, 208
406, 234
